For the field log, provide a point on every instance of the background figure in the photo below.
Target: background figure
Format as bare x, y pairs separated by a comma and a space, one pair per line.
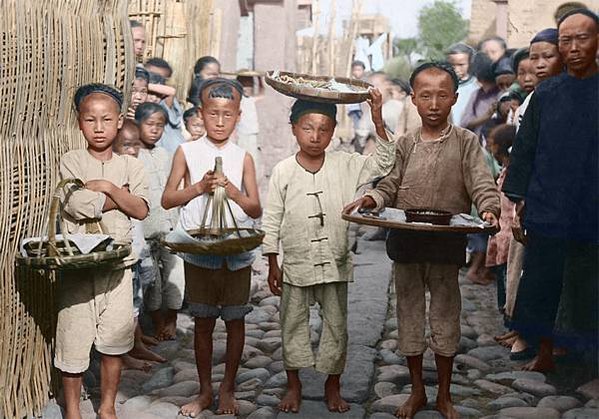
494, 47
138, 33
248, 127
460, 56
354, 110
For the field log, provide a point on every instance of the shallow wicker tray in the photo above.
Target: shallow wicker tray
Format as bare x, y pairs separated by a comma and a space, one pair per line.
396, 218
316, 94
227, 247
90, 260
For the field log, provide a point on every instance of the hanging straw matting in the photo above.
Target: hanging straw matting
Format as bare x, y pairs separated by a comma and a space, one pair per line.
63, 255
215, 237
48, 49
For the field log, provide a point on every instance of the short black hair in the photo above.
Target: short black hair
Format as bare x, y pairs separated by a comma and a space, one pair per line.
439, 66
221, 88
193, 95
142, 74
358, 63
497, 39
160, 63
503, 136
581, 11
135, 24
482, 67
461, 48
147, 109
89, 89
519, 56
190, 113
203, 62
566, 7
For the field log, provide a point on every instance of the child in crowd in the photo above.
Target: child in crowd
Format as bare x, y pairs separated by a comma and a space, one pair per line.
167, 280
138, 33
305, 198
127, 142
96, 305
215, 286
438, 166
499, 142
194, 124
354, 110
248, 128
139, 91
525, 71
165, 96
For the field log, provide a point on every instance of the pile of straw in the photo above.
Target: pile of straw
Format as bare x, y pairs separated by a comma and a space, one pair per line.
48, 49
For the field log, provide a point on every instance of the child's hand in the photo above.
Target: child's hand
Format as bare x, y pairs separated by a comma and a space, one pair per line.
490, 218
231, 190
130, 113
275, 278
207, 184
376, 105
100, 185
364, 202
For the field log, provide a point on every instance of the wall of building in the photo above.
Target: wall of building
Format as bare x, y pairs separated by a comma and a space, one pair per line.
230, 15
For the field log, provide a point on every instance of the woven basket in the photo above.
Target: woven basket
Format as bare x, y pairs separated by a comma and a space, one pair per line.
217, 238
302, 91
62, 254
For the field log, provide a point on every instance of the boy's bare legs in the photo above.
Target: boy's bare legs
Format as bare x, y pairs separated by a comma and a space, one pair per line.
140, 351
332, 394
169, 332
543, 362
444, 403
158, 323
417, 400
203, 350
110, 376
227, 405
72, 394
293, 397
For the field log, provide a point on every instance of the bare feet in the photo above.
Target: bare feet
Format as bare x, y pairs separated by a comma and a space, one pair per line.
149, 340
158, 322
169, 331
203, 402
227, 405
130, 363
508, 343
141, 352
445, 407
332, 395
107, 413
292, 400
540, 364
416, 402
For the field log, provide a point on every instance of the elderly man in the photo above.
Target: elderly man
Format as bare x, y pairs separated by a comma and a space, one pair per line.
554, 169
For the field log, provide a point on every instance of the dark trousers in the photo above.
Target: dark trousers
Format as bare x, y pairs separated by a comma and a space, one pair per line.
547, 263
500, 272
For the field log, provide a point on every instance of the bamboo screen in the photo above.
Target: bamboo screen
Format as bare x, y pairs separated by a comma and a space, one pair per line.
48, 49
179, 31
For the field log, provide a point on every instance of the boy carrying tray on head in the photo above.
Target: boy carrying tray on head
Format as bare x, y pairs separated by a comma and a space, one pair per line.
305, 198
214, 285
96, 305
442, 167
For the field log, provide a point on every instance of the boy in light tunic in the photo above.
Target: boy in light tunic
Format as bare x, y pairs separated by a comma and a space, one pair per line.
306, 195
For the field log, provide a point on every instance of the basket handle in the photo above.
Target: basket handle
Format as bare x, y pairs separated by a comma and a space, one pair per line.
55, 206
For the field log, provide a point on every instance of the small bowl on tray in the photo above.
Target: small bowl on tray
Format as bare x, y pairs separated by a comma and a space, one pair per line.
427, 215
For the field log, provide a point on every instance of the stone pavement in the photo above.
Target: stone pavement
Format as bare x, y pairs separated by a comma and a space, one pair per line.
376, 379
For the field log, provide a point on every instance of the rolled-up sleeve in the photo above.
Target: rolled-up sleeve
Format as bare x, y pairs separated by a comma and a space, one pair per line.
379, 163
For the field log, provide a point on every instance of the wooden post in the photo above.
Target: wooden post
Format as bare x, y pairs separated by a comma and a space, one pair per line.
315, 27
332, 37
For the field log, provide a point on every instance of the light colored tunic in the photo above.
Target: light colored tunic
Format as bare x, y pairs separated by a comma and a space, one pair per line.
157, 163
303, 213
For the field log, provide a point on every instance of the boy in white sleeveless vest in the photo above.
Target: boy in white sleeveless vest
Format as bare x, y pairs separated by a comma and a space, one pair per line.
306, 196
215, 286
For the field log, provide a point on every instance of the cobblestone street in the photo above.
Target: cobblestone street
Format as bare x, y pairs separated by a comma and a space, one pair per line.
376, 381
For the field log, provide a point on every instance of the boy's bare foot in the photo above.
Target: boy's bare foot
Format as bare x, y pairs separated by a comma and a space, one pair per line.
202, 402
506, 336
149, 340
158, 323
169, 331
227, 405
508, 343
332, 395
107, 413
540, 364
417, 401
141, 352
130, 363
445, 407
293, 398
